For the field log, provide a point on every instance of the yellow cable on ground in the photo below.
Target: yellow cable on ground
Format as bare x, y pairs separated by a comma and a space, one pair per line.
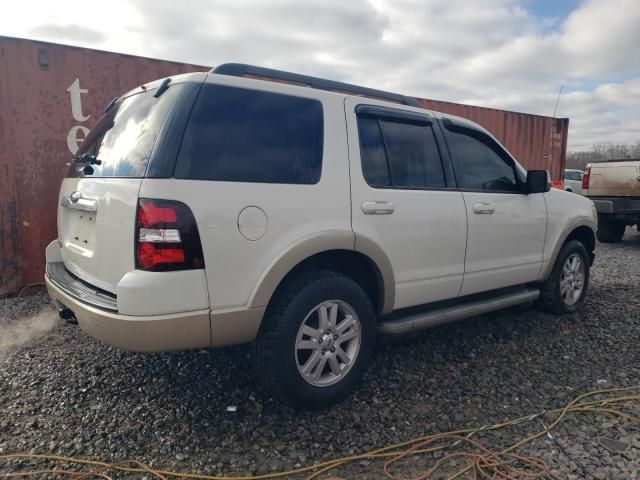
557, 421
392, 453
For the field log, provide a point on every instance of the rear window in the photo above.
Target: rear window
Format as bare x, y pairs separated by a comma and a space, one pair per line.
124, 137
240, 135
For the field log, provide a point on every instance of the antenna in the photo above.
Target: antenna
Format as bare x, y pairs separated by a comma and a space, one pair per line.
558, 100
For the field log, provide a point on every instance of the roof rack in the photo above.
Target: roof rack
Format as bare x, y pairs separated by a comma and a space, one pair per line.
251, 71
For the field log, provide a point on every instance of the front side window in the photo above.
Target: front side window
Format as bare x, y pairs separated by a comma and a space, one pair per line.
240, 135
399, 154
124, 137
480, 164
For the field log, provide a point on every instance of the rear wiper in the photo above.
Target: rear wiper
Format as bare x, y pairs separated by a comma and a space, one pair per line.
162, 88
110, 104
87, 158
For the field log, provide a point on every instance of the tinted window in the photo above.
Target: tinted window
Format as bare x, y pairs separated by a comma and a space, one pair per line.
372, 153
399, 154
125, 135
573, 176
239, 135
480, 164
414, 159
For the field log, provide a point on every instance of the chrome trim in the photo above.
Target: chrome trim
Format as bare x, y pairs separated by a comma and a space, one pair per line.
371, 207
431, 318
75, 203
79, 289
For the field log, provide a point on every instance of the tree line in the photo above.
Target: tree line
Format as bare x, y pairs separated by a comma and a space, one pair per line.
601, 152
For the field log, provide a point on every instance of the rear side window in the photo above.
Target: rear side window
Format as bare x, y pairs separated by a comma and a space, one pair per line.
240, 135
124, 137
374, 157
399, 154
573, 176
480, 163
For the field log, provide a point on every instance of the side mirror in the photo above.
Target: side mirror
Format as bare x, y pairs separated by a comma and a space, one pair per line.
537, 182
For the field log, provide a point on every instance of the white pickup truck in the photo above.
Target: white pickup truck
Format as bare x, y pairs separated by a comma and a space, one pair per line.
614, 188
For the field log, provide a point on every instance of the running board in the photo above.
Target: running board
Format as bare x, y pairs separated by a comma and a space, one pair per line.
417, 321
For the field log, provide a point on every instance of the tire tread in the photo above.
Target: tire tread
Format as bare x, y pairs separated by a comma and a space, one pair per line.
549, 300
275, 322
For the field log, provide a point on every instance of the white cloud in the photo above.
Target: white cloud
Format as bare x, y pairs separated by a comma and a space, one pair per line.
492, 53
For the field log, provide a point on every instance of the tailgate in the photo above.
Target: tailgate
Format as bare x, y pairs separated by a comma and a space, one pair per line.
615, 179
96, 228
98, 199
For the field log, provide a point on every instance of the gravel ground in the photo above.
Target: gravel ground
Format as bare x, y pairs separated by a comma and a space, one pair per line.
62, 392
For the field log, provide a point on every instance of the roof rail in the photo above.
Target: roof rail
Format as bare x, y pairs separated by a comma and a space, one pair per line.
251, 71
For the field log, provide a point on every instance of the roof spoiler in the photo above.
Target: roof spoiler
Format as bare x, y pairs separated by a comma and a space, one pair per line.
251, 71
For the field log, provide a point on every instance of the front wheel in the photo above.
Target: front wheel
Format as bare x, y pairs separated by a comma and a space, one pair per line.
566, 287
317, 339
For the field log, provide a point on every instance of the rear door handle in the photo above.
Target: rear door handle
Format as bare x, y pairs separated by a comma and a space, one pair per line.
75, 201
370, 207
483, 208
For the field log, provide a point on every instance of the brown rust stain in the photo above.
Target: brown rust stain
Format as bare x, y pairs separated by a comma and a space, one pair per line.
35, 119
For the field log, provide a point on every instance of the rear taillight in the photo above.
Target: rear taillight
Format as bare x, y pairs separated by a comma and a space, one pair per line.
585, 178
167, 236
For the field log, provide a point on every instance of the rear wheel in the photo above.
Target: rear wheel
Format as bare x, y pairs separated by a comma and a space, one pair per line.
610, 231
567, 285
317, 338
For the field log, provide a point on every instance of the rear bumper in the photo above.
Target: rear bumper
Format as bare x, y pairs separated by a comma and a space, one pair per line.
152, 311
154, 333
617, 205
57, 274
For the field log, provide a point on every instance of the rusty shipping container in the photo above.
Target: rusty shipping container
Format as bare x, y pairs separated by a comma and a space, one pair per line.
51, 94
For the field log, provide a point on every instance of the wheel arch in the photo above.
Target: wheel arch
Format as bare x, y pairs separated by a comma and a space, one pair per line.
583, 232
340, 251
584, 235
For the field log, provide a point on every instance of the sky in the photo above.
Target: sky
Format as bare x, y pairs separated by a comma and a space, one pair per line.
508, 54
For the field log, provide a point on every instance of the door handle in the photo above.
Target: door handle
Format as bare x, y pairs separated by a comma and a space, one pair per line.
75, 201
370, 207
483, 208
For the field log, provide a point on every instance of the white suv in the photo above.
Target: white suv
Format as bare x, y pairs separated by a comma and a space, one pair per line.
306, 216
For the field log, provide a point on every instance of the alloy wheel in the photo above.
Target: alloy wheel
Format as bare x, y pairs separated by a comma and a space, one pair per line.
328, 343
572, 279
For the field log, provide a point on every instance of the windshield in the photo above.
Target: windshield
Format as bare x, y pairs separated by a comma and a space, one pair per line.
123, 139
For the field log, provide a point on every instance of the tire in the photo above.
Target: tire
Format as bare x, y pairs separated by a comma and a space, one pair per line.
610, 231
300, 300
551, 298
